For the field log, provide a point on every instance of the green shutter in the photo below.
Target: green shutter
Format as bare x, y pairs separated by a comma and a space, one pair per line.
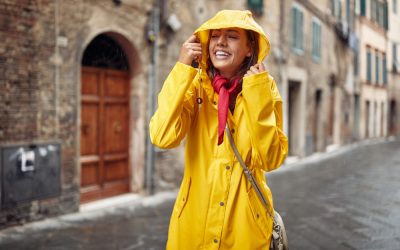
363, 7
319, 40
348, 13
377, 69
316, 41
300, 29
293, 27
384, 70
256, 6
369, 75
385, 16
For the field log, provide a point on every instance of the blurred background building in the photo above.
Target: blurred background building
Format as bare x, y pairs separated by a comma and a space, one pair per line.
79, 78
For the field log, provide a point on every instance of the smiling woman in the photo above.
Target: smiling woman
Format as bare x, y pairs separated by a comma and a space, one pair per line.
228, 50
216, 207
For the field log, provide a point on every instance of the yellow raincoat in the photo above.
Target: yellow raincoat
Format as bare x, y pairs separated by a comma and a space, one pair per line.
216, 207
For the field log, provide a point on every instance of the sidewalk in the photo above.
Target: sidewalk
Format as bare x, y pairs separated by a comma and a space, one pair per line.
124, 222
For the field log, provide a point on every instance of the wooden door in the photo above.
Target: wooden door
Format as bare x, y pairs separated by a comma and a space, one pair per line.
104, 133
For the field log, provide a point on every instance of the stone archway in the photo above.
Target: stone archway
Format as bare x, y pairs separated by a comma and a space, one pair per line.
105, 128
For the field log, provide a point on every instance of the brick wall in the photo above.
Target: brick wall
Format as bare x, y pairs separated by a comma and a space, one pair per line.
40, 85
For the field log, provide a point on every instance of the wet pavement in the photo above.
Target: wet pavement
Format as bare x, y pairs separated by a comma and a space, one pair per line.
347, 199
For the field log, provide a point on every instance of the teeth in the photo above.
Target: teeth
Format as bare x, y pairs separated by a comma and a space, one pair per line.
221, 53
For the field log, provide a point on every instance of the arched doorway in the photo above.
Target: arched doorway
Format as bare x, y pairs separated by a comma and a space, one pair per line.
104, 139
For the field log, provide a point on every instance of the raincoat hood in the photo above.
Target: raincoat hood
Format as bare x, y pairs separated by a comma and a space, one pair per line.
232, 19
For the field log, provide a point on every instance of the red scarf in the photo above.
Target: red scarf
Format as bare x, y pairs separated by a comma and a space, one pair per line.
227, 91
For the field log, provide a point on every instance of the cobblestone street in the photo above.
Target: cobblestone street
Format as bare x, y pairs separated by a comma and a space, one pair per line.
347, 199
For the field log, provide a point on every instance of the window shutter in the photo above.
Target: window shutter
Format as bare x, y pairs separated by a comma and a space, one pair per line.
377, 69
294, 17
363, 6
256, 6
369, 75
301, 35
384, 70
385, 16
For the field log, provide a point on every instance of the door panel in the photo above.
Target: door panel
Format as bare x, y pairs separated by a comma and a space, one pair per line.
115, 170
104, 133
90, 82
116, 128
90, 174
89, 129
114, 85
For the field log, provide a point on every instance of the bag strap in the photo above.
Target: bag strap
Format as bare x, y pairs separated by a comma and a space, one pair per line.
248, 173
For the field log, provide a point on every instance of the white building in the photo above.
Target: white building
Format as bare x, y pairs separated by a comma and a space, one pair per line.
371, 26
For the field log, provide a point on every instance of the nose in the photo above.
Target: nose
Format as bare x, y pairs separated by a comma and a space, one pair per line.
221, 40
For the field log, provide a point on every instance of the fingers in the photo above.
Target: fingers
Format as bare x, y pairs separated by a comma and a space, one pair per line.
261, 67
192, 39
191, 50
255, 69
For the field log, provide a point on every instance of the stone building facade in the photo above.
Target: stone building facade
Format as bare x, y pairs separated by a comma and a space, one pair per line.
371, 25
53, 91
75, 75
393, 64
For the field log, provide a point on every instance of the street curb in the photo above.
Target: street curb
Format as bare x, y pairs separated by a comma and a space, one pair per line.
88, 214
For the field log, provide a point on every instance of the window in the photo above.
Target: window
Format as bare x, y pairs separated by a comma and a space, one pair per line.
369, 66
385, 16
363, 7
373, 10
379, 13
256, 6
377, 68
395, 6
355, 61
336, 8
357, 10
316, 40
348, 12
297, 29
394, 53
384, 70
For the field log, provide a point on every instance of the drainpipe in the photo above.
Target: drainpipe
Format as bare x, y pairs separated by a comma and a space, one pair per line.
152, 77
281, 59
57, 63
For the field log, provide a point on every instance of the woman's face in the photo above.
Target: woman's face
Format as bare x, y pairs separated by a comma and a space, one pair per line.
228, 48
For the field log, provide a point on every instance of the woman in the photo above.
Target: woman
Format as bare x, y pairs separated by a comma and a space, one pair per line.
216, 207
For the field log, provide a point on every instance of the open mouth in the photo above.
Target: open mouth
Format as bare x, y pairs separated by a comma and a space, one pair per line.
219, 54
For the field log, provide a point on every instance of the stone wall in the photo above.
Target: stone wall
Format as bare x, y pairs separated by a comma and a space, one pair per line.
40, 60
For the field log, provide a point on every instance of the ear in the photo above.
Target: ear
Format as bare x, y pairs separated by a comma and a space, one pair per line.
249, 52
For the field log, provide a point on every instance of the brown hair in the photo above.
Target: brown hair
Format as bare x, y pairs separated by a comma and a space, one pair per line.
252, 39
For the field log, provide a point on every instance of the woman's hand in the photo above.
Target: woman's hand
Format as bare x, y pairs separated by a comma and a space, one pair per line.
190, 50
255, 69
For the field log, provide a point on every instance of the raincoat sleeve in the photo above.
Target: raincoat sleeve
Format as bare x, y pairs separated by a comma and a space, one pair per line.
263, 112
170, 122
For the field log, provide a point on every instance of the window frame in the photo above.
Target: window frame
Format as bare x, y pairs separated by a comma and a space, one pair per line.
316, 39
297, 44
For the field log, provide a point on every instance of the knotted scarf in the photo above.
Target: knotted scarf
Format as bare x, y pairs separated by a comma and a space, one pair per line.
227, 91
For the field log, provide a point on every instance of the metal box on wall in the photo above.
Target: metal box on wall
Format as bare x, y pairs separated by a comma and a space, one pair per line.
29, 173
